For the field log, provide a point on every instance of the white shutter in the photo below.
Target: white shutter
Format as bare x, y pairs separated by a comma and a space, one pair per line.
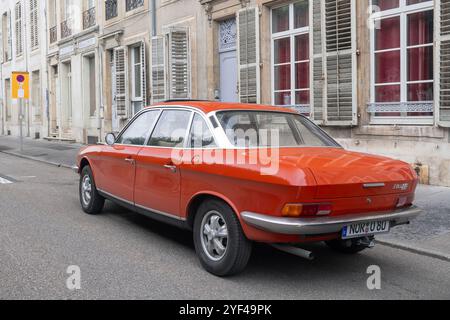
9, 32
34, 24
442, 74
143, 73
179, 62
317, 91
2, 54
340, 52
158, 69
18, 28
249, 55
121, 82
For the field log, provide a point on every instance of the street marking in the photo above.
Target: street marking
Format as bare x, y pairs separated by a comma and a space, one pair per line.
4, 181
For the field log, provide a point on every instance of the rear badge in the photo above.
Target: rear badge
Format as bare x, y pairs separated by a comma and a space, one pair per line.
369, 201
401, 186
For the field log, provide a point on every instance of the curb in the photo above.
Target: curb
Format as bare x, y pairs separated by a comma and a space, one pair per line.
424, 252
59, 165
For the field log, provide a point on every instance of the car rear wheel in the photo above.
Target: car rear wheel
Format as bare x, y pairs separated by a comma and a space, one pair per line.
352, 246
91, 201
219, 241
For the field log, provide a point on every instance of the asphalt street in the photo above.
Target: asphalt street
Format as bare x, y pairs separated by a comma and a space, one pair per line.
122, 255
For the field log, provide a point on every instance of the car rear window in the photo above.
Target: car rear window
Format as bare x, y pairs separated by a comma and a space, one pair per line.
272, 129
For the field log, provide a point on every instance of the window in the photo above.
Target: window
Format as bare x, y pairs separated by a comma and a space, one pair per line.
291, 55
92, 85
201, 136
271, 129
8, 100
402, 62
34, 24
36, 95
170, 132
19, 37
7, 36
137, 132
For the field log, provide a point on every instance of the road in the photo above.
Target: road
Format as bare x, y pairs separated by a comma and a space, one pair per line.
122, 255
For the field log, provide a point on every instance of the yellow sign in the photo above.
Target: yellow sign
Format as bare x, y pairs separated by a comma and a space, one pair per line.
20, 85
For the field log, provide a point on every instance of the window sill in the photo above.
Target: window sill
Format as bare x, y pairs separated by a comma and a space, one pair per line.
401, 131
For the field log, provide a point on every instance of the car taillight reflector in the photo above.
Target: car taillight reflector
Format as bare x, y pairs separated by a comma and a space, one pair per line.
306, 210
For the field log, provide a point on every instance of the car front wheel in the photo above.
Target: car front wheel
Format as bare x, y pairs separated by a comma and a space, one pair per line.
91, 201
219, 241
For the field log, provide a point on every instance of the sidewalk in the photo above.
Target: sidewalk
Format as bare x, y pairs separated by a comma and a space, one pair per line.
56, 153
428, 235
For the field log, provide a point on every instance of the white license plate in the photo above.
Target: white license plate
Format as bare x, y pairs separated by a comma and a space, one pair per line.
363, 229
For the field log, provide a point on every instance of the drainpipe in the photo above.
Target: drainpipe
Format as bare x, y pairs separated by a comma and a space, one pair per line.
47, 91
27, 104
2, 93
153, 22
101, 111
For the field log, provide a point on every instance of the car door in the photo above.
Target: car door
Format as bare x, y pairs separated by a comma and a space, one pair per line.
157, 186
118, 162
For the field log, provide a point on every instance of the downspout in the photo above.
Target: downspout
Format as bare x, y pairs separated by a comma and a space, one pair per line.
47, 91
101, 111
27, 104
153, 22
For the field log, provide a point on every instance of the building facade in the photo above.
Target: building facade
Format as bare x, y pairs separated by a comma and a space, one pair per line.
373, 73
23, 48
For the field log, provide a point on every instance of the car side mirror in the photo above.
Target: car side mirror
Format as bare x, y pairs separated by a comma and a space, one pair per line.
110, 139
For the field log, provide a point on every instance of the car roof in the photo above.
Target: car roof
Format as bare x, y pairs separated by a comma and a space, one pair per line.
211, 106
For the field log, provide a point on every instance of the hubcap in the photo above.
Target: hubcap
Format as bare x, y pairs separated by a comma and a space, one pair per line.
214, 235
86, 190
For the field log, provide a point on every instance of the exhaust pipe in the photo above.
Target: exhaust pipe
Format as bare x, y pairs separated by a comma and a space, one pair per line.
302, 253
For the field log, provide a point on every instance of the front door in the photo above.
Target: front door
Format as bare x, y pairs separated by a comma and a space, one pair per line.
158, 177
117, 165
228, 61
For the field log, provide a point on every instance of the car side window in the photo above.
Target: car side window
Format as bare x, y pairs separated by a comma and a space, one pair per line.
137, 133
201, 136
171, 129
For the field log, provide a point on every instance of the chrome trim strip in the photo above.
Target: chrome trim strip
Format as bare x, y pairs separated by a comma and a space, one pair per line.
374, 185
165, 214
115, 197
325, 225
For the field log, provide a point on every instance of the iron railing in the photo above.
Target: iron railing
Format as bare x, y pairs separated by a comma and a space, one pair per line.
89, 19
110, 9
133, 4
53, 34
66, 28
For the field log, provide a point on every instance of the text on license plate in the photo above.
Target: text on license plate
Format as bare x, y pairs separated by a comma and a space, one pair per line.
365, 229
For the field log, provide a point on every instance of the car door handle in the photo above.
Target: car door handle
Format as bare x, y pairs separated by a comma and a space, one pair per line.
171, 168
130, 160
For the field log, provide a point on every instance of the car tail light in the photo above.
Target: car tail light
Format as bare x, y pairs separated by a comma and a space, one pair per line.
405, 201
306, 210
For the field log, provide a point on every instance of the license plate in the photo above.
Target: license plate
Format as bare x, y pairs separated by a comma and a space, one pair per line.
363, 229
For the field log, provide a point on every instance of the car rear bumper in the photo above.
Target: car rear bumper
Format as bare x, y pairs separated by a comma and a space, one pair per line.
325, 225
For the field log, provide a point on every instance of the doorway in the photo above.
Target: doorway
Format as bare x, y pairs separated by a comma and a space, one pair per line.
228, 61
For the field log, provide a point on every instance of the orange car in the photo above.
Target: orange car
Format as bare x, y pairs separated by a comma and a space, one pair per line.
236, 174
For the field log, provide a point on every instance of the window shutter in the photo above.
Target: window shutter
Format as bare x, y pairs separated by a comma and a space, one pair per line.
9, 31
144, 74
318, 62
442, 30
340, 53
2, 54
158, 70
179, 62
34, 24
18, 29
248, 55
121, 82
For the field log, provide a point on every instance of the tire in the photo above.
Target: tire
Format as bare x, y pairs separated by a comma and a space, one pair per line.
94, 204
346, 246
237, 247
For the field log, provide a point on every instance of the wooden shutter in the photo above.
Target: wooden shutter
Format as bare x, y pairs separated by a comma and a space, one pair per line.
18, 28
143, 73
442, 92
9, 32
317, 92
248, 55
34, 23
179, 64
158, 69
340, 64
121, 82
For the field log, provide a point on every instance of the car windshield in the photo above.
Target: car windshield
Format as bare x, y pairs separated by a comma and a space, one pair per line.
272, 129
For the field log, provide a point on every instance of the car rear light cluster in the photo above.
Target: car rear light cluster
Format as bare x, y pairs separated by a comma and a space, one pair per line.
405, 201
295, 210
